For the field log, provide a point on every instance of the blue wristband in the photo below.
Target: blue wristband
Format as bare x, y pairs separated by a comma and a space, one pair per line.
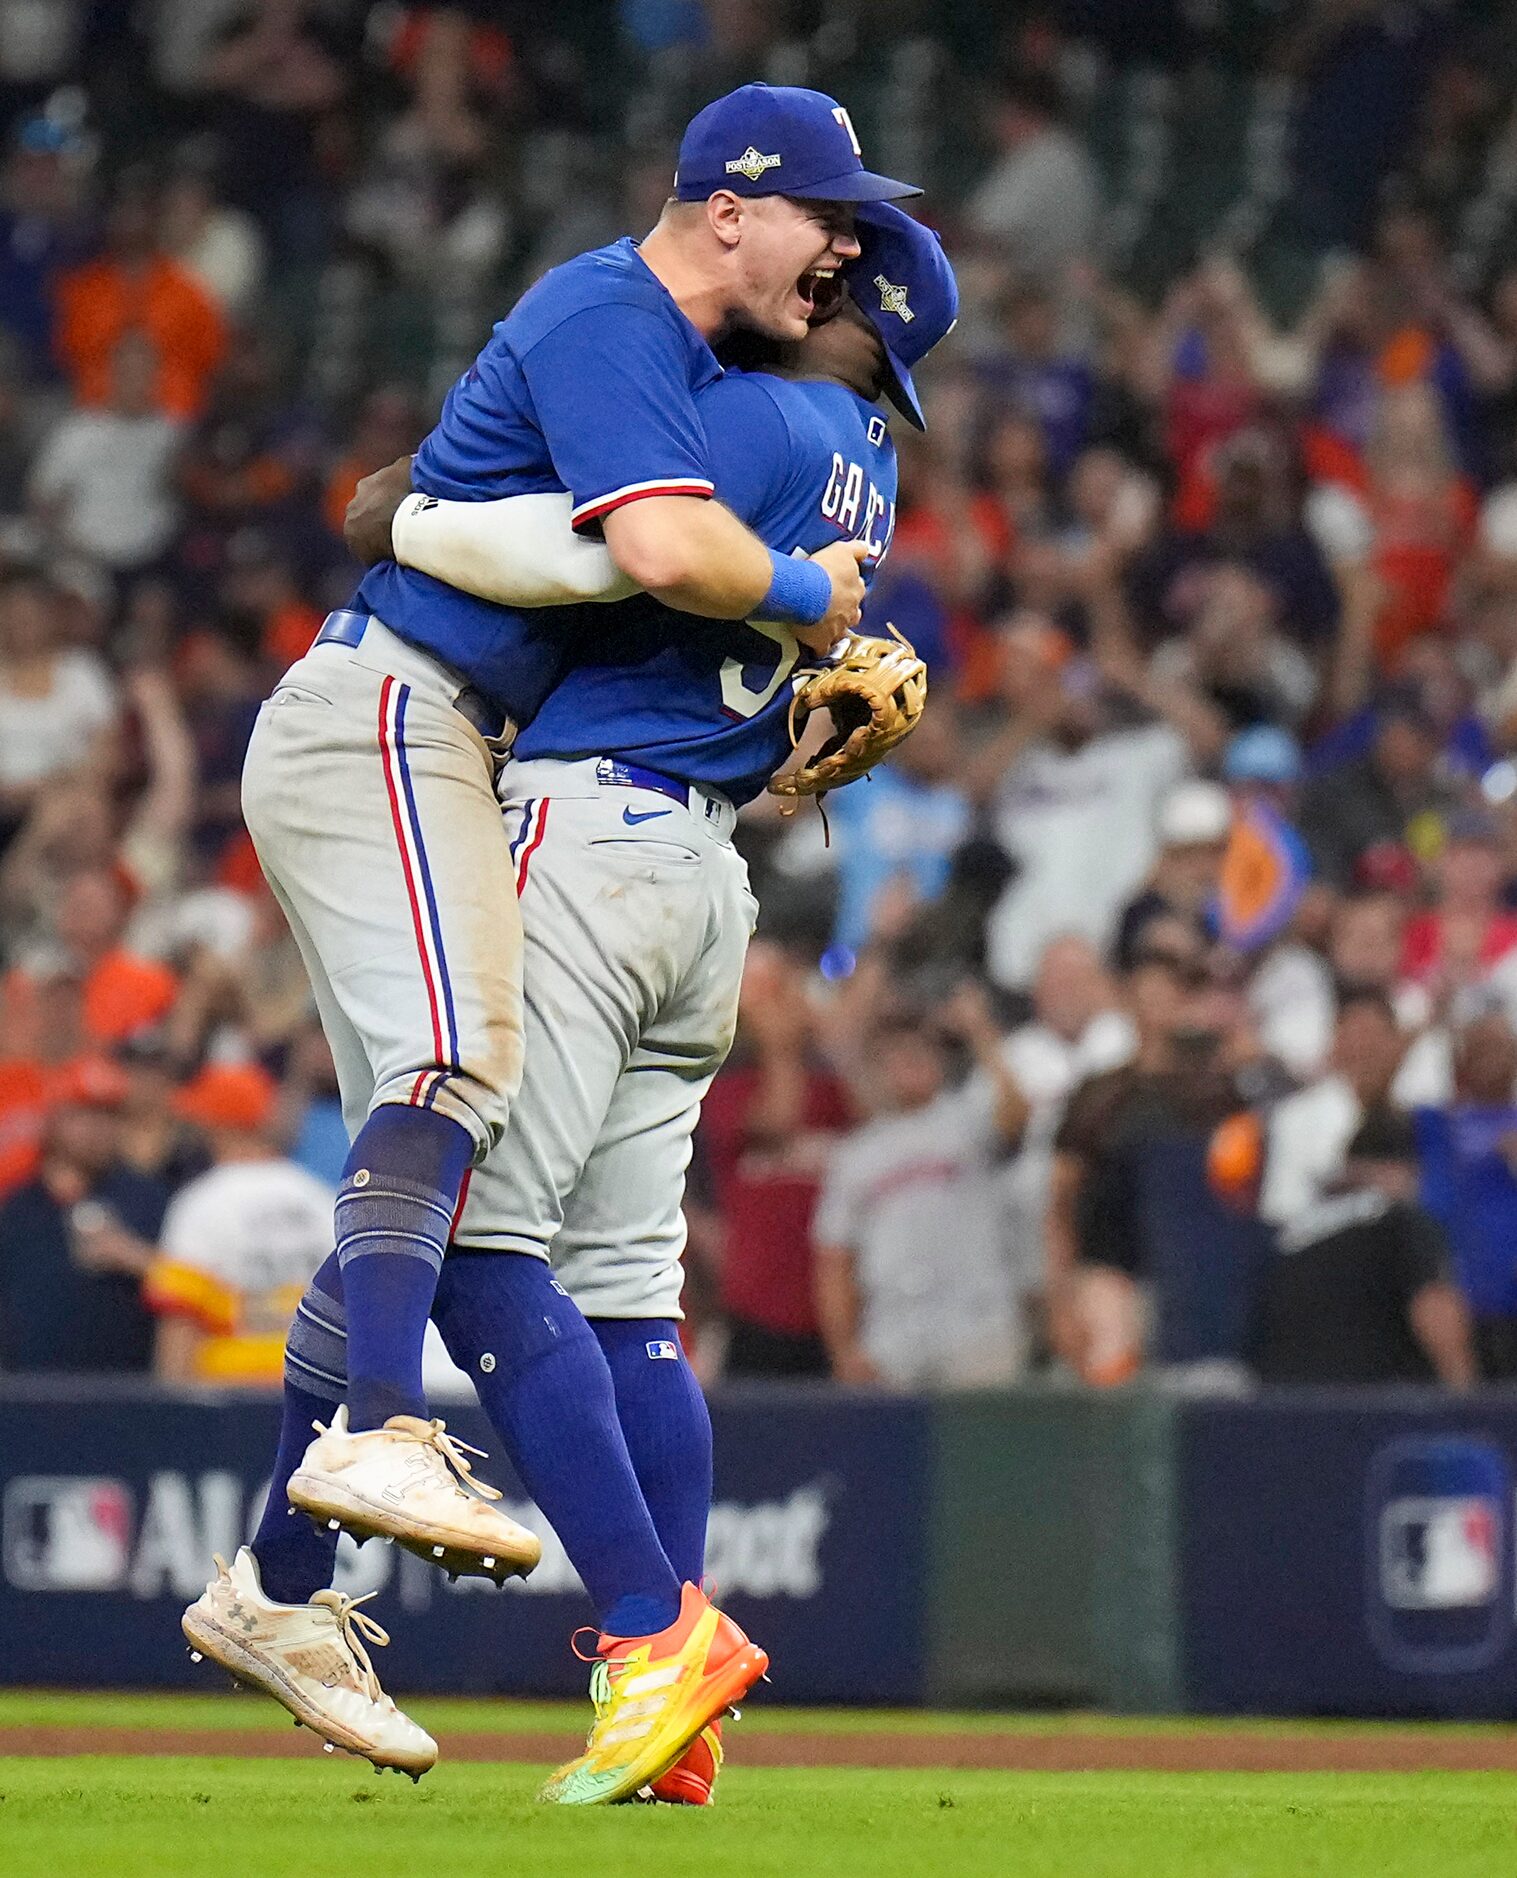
799, 594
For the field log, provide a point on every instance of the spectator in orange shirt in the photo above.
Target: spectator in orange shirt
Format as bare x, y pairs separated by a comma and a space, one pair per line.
42, 1042
134, 287
122, 992
1408, 520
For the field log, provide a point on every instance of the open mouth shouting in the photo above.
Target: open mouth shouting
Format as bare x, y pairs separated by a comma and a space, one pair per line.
822, 292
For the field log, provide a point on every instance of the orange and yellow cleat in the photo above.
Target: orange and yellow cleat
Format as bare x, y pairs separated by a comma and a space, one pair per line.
654, 1697
691, 1781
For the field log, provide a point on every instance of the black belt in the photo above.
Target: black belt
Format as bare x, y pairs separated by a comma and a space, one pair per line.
347, 626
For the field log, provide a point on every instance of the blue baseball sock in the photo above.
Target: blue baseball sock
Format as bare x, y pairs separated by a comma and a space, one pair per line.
295, 1557
545, 1386
395, 1210
668, 1429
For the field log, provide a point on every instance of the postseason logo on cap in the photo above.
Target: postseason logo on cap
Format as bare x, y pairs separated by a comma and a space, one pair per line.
893, 299
751, 164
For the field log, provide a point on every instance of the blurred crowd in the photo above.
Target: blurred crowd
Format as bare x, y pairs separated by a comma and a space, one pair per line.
1154, 1010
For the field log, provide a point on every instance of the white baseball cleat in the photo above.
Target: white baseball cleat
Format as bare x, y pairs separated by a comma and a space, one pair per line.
409, 1481
311, 1658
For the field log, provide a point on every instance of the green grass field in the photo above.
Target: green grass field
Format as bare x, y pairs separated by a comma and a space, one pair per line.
179, 1816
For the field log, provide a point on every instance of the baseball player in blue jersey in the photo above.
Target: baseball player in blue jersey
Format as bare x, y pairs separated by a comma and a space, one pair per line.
637, 914
369, 782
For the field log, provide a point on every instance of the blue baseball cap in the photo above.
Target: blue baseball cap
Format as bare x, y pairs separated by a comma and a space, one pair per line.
778, 140
1264, 753
43, 136
903, 285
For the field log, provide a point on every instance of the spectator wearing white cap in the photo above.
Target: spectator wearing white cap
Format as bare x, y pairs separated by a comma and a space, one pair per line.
1195, 819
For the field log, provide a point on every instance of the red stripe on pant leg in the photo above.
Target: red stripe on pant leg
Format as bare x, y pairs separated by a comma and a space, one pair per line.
387, 755
463, 1198
414, 1098
532, 846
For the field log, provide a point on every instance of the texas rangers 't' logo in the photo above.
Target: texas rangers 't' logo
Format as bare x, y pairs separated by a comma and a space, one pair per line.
751, 164
893, 299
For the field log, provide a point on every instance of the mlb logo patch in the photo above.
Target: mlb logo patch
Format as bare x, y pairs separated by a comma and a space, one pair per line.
1440, 1554
1439, 1544
665, 1350
66, 1533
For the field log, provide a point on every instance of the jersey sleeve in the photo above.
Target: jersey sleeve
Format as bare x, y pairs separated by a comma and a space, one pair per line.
517, 550
611, 388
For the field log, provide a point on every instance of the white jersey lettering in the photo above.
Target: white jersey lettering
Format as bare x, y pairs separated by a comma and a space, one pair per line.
737, 698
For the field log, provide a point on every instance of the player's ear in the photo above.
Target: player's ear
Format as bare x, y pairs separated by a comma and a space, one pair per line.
724, 213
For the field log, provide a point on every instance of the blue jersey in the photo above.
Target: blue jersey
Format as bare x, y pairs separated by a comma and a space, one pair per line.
588, 385
803, 462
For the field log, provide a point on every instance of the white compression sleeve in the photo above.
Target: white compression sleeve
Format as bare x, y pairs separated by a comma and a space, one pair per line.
519, 550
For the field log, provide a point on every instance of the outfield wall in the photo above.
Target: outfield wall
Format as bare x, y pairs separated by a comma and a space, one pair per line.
1308, 1553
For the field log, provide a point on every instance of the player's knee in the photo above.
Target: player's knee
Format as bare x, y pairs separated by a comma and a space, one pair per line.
499, 1312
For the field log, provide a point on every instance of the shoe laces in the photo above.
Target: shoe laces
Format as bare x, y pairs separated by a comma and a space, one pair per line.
592, 1655
626, 1697
355, 1627
451, 1451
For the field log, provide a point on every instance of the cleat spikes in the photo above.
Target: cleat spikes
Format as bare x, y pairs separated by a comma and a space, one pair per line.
328, 1747
489, 1564
334, 1525
297, 1721
437, 1551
